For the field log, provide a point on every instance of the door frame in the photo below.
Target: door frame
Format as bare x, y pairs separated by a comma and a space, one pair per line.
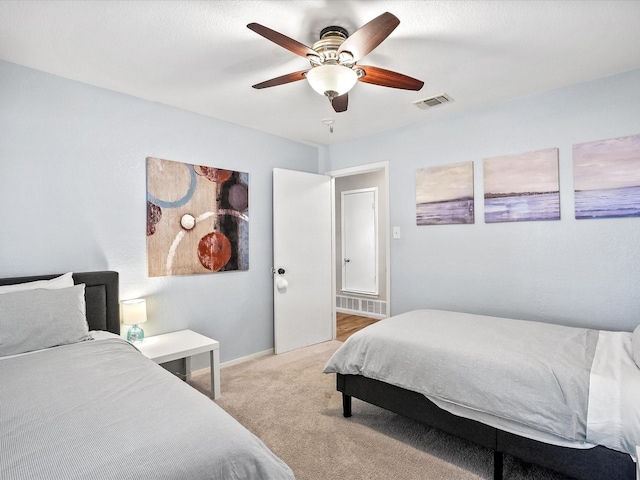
346, 172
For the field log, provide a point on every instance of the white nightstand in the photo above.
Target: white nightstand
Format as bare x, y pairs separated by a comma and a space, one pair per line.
182, 344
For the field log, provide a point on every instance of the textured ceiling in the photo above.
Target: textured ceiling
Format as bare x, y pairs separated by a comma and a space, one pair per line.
199, 55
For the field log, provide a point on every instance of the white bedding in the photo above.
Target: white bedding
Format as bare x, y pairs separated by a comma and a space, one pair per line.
613, 414
99, 409
613, 418
95, 335
614, 396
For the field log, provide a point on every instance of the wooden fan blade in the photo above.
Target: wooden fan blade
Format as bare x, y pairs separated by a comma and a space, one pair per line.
369, 36
282, 40
387, 78
340, 103
288, 78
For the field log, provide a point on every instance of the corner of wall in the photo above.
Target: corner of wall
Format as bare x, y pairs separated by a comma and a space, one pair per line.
324, 159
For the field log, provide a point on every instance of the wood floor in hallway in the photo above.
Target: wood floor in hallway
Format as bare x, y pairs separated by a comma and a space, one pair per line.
348, 324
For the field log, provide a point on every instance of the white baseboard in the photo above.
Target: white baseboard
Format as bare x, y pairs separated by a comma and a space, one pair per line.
361, 314
253, 356
236, 361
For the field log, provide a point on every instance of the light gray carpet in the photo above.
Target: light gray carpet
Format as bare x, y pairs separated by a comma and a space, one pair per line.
295, 409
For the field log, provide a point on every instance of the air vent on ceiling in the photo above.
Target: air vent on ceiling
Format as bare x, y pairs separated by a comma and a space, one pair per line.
433, 101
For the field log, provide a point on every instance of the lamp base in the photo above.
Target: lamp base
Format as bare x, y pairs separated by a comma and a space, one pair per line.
135, 334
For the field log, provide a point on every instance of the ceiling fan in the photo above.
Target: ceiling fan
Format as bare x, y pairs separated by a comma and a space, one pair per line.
334, 69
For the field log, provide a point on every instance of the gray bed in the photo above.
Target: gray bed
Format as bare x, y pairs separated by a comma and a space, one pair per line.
543, 393
99, 409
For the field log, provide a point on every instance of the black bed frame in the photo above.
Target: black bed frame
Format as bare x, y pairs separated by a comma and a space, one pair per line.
101, 296
598, 463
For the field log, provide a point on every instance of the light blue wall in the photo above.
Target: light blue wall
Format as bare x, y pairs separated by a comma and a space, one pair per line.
72, 197
577, 272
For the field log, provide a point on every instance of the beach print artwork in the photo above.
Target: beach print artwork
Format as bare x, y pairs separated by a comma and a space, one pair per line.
444, 194
522, 187
606, 177
197, 219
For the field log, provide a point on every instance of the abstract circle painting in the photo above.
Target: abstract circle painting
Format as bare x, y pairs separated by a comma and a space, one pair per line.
197, 218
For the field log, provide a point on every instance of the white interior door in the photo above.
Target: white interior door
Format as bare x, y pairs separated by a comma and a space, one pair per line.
303, 313
360, 241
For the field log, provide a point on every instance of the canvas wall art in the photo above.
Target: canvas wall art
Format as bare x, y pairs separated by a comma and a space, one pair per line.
522, 187
606, 177
444, 194
197, 219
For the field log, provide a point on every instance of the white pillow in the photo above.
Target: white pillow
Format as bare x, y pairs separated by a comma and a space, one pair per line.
42, 318
63, 281
635, 345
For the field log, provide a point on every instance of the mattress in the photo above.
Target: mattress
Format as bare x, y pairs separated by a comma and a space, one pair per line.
99, 409
521, 377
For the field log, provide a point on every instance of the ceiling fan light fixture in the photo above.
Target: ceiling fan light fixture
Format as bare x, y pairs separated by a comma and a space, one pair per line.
332, 80
333, 60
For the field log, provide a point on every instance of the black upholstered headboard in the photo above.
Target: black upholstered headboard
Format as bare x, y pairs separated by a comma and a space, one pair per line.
101, 296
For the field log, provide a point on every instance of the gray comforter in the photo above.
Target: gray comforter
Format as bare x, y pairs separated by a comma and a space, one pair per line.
531, 373
100, 410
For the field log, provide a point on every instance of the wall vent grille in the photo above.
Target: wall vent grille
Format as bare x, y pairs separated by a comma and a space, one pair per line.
433, 101
375, 308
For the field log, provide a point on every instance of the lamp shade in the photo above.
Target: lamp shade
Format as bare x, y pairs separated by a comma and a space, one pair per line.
134, 311
332, 78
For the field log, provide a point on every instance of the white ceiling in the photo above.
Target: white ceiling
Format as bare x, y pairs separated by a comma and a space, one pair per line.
200, 56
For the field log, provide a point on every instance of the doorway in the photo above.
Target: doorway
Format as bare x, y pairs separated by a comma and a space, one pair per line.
367, 304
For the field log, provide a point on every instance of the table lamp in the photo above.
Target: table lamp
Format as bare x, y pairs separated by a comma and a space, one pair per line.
134, 312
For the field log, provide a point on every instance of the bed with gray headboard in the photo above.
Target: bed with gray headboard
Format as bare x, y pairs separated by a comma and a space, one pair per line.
80, 402
101, 296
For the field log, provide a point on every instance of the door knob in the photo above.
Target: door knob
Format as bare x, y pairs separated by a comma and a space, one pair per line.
281, 283
347, 260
